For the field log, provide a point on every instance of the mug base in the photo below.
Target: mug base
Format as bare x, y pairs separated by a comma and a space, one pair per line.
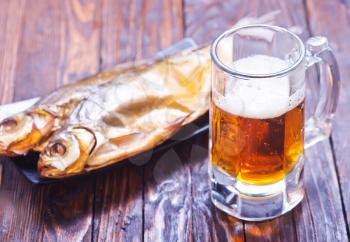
257, 202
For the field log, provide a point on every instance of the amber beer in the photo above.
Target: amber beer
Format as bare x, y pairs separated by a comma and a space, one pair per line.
256, 142
257, 151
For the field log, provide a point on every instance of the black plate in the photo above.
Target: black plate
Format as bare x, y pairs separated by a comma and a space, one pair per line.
27, 164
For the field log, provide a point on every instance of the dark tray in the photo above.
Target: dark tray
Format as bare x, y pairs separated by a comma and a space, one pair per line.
27, 164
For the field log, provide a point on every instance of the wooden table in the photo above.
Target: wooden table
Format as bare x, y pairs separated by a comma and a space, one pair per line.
48, 43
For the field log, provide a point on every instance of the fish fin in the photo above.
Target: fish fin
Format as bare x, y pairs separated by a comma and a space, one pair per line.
173, 127
125, 146
127, 139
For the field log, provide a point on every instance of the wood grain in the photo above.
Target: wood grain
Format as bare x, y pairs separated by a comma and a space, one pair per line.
138, 29
209, 223
204, 22
168, 198
21, 215
283, 228
10, 23
322, 192
287, 227
66, 46
1, 174
45, 44
167, 184
131, 30
118, 205
68, 211
59, 43
332, 20
322, 198
11, 18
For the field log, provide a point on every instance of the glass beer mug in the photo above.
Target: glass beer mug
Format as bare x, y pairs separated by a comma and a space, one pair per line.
257, 117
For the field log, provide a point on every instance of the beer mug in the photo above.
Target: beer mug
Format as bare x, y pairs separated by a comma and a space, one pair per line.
257, 117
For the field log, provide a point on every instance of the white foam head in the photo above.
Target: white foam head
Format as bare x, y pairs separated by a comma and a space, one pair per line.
260, 98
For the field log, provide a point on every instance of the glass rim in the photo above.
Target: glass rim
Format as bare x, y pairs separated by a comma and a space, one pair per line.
225, 68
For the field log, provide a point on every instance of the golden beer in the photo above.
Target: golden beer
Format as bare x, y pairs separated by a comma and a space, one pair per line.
257, 151
257, 118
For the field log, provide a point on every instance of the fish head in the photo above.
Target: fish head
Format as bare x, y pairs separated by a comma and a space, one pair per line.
23, 131
67, 152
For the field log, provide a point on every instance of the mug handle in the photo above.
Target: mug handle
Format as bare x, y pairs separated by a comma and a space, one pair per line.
319, 126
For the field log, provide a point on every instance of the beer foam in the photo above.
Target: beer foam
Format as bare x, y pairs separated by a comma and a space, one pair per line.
259, 98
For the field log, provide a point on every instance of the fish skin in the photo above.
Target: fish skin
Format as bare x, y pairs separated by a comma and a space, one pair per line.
24, 131
117, 98
136, 110
56, 107
64, 101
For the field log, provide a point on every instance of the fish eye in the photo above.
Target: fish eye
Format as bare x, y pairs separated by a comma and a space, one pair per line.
57, 149
8, 124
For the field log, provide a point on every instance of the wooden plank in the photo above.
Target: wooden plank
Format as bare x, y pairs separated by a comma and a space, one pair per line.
282, 228
11, 18
205, 22
137, 29
118, 205
1, 174
10, 25
118, 197
131, 30
18, 201
68, 211
209, 223
21, 215
324, 216
167, 180
118, 194
332, 20
59, 43
218, 16
68, 46
168, 197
